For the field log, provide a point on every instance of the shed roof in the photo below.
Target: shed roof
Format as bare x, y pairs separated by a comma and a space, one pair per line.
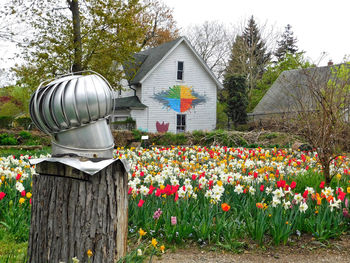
131, 103
291, 88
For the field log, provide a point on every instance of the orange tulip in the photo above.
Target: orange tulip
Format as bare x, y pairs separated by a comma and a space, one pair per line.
225, 207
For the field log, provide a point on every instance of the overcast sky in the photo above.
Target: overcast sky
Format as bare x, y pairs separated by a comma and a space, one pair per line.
319, 25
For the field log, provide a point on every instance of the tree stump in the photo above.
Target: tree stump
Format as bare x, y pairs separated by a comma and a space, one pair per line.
73, 212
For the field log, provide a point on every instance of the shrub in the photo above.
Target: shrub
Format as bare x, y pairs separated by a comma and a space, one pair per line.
5, 121
197, 137
270, 136
22, 122
6, 139
137, 134
25, 135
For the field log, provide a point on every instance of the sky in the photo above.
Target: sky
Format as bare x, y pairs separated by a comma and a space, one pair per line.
320, 26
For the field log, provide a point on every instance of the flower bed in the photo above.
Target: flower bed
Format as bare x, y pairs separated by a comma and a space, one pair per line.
220, 195
215, 195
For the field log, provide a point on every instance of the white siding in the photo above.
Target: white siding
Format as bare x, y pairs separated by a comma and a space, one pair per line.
141, 117
127, 92
202, 117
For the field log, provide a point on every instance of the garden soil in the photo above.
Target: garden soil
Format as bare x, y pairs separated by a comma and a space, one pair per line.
301, 252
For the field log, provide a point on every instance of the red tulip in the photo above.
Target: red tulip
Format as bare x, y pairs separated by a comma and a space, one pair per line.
322, 184
262, 188
293, 185
140, 204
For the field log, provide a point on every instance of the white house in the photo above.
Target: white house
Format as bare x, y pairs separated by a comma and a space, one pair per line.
170, 88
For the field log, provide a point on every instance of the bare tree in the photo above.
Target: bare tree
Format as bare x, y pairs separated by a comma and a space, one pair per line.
212, 41
317, 109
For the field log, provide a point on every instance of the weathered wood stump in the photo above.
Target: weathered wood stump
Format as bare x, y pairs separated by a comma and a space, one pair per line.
73, 212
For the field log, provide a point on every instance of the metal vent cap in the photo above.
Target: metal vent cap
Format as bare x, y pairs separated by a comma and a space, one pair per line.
73, 110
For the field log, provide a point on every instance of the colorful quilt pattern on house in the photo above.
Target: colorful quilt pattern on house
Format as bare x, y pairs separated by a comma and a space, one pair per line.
180, 98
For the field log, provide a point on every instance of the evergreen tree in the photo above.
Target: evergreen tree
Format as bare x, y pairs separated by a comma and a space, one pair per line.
287, 44
249, 55
237, 100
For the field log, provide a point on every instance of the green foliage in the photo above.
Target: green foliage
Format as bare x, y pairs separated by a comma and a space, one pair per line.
7, 139
325, 225
94, 34
25, 135
18, 152
5, 121
110, 32
137, 134
16, 101
169, 138
271, 135
236, 99
23, 122
273, 71
9, 109
221, 116
221, 137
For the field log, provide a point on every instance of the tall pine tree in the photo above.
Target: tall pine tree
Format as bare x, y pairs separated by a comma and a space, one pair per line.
236, 99
249, 55
287, 44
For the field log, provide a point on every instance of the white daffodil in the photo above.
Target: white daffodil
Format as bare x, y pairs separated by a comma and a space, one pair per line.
303, 207
275, 201
238, 189
286, 205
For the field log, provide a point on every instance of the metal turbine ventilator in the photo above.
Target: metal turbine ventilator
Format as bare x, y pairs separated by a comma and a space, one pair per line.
73, 109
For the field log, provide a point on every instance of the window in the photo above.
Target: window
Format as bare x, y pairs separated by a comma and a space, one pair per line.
181, 123
180, 70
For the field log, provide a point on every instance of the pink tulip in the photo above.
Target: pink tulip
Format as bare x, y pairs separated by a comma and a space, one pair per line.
173, 220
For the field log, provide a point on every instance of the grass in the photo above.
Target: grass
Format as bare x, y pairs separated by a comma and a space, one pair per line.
10, 249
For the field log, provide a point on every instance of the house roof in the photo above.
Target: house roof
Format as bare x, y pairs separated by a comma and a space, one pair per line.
132, 103
145, 62
291, 88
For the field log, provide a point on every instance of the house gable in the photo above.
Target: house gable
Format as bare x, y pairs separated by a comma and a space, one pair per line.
167, 97
147, 61
190, 98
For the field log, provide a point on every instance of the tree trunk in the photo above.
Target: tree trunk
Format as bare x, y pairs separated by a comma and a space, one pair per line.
73, 212
326, 173
78, 51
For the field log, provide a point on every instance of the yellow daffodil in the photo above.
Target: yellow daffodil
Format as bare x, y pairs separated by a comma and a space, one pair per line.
142, 232
154, 242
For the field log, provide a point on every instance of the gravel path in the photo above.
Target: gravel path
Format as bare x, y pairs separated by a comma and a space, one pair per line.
304, 252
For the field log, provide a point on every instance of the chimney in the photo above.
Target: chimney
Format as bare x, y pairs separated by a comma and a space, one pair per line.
330, 63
